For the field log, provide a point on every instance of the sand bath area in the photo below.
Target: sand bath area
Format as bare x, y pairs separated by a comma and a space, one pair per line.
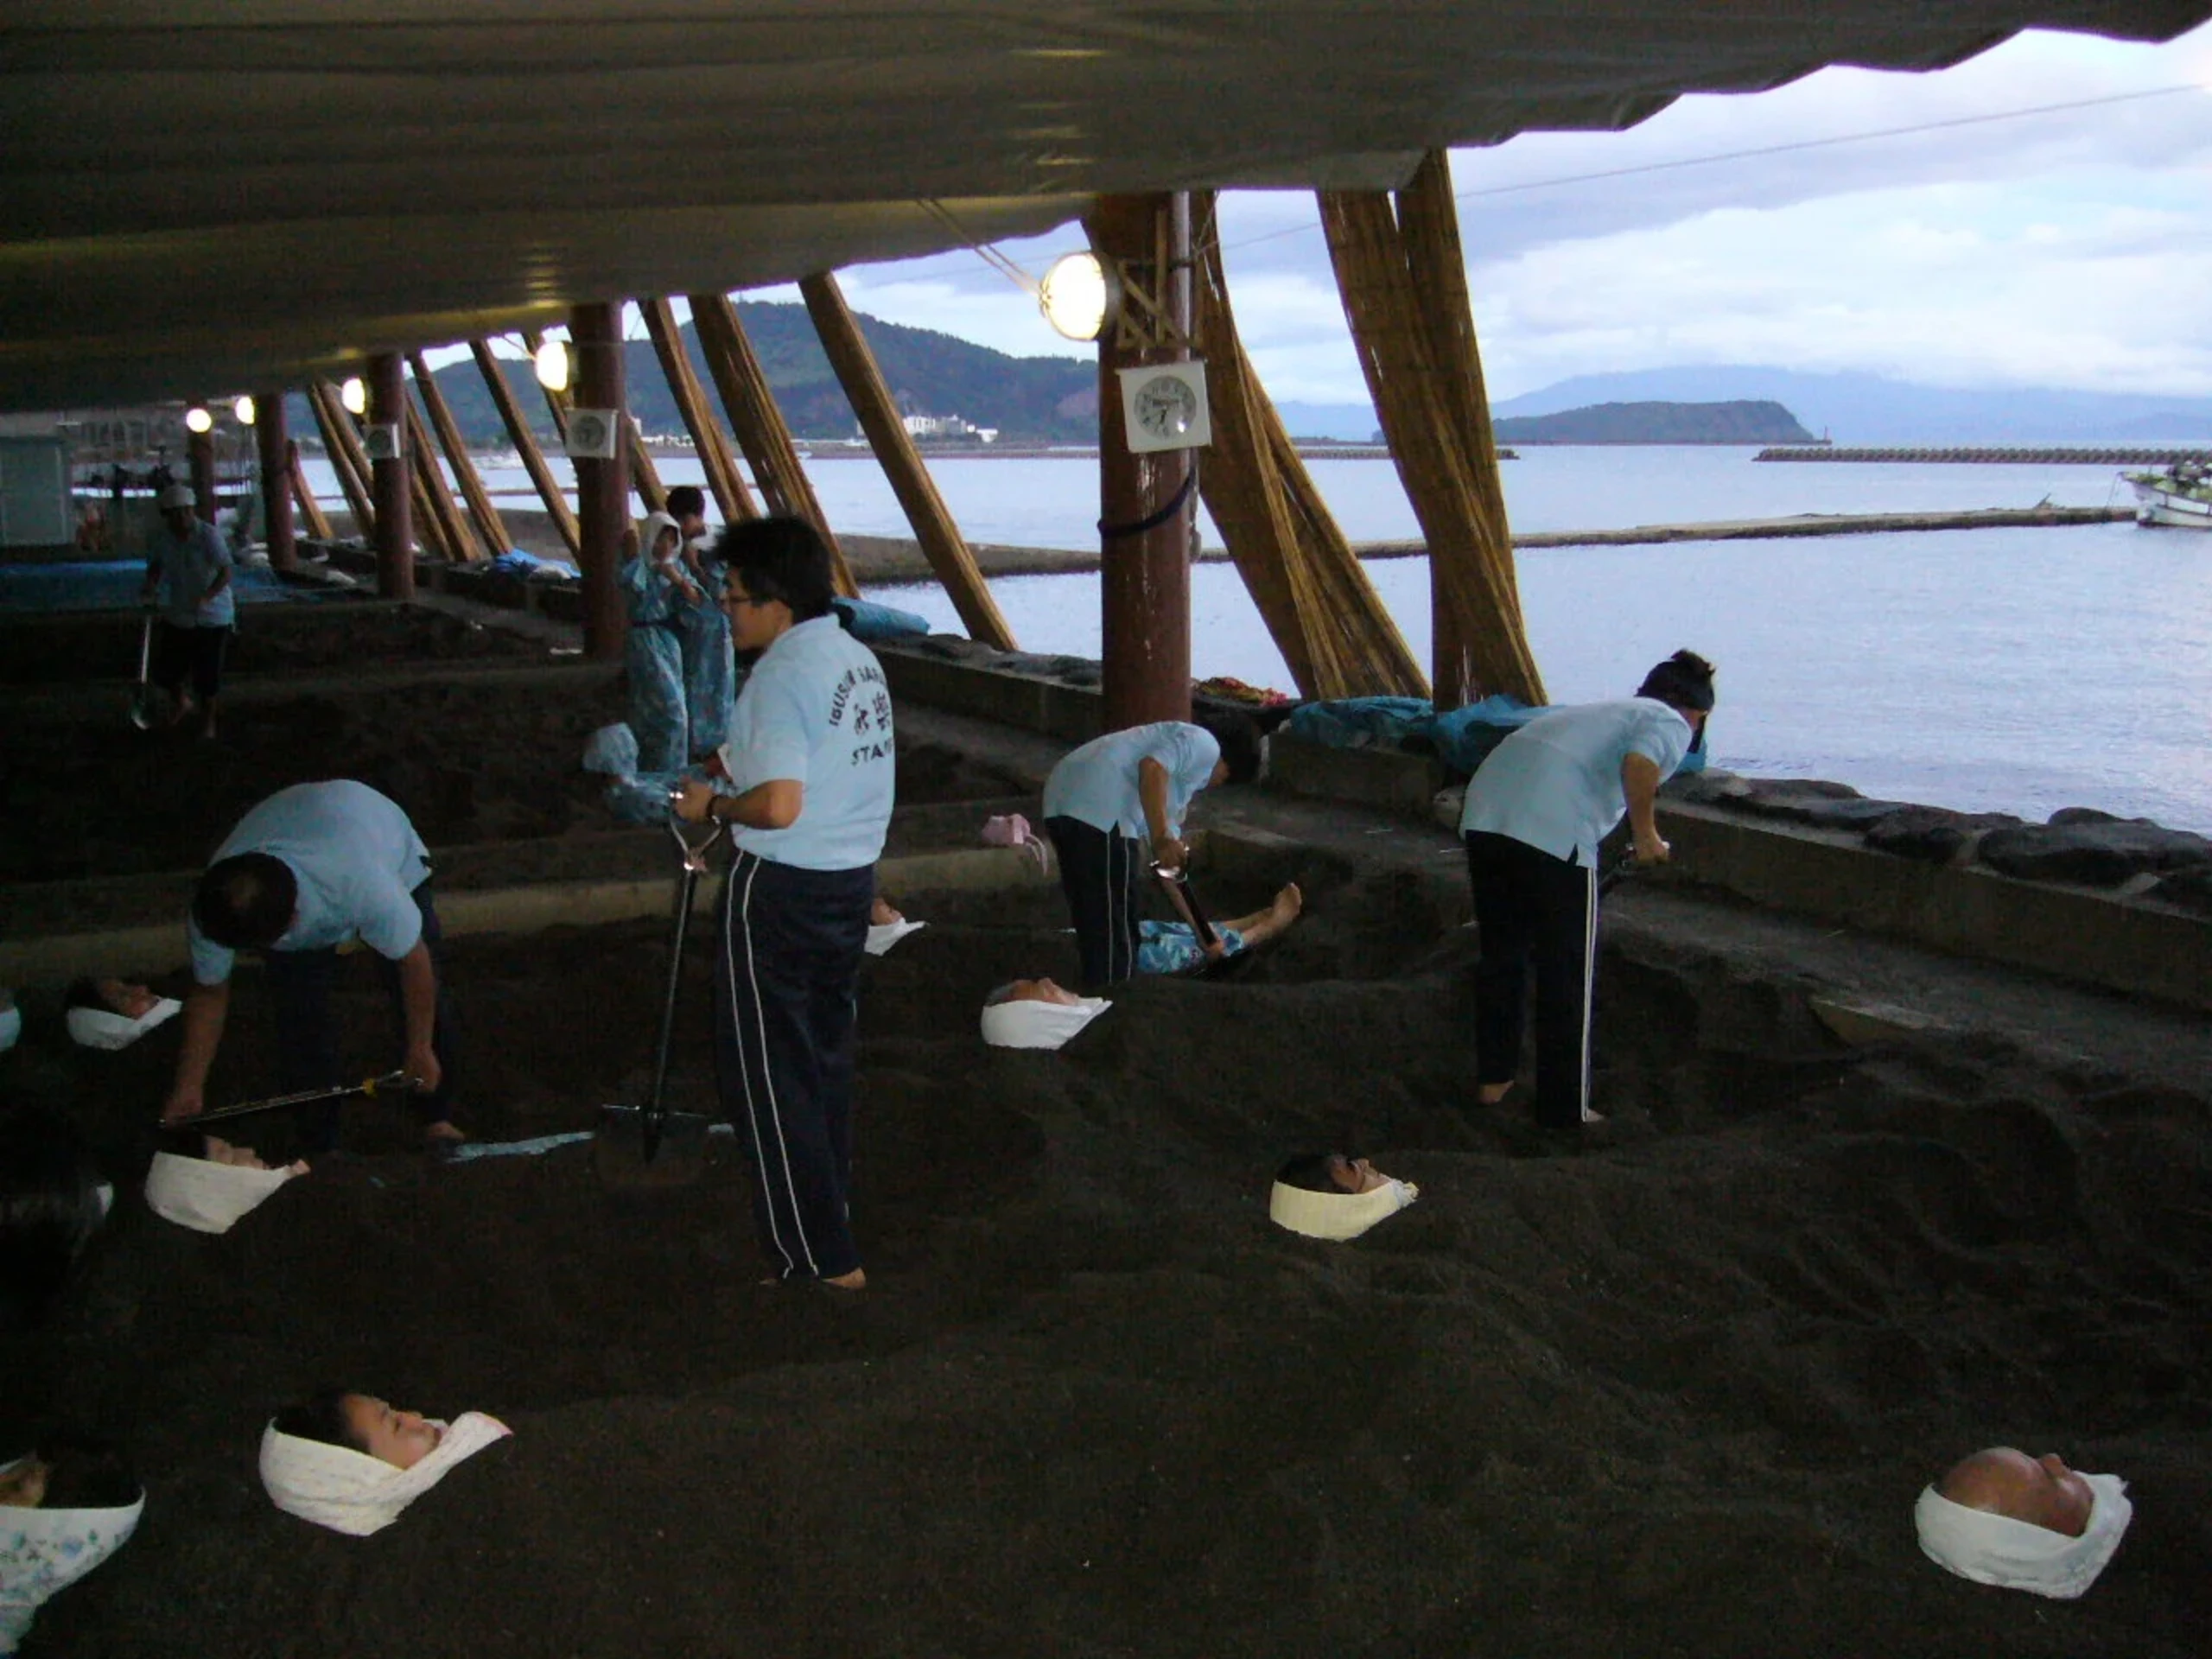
1674, 1392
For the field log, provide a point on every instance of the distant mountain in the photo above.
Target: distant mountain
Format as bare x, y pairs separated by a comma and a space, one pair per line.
1868, 409
1048, 400
1746, 421
1347, 422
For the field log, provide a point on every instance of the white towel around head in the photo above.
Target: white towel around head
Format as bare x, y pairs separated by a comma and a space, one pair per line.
881, 936
43, 1551
2012, 1554
1026, 1023
208, 1196
1336, 1216
100, 1028
352, 1493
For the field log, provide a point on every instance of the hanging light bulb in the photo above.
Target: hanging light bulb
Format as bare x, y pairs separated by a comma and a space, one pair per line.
245, 409
197, 419
354, 395
1078, 295
553, 365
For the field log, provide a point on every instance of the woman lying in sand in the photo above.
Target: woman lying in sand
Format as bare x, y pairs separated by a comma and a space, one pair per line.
2002, 1517
87, 1501
213, 1193
1036, 1013
350, 1462
1327, 1195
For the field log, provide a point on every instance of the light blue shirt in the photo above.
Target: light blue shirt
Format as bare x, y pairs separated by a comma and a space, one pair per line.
1556, 783
816, 710
188, 568
1096, 784
356, 858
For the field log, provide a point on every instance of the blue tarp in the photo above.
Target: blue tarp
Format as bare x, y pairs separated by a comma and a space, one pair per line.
1462, 738
873, 624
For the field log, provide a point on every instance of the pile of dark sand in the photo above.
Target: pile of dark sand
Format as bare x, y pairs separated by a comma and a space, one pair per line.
1672, 1397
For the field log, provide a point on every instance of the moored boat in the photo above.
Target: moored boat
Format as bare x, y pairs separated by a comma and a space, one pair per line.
2180, 497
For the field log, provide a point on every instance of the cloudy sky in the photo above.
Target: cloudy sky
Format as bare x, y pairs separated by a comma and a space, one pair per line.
2067, 246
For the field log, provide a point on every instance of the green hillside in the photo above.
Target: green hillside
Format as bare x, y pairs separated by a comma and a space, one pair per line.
1749, 421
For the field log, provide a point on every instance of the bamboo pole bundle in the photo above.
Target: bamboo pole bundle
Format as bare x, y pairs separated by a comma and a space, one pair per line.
343, 445
1400, 304
446, 524
311, 510
525, 443
754, 417
708, 437
942, 542
489, 531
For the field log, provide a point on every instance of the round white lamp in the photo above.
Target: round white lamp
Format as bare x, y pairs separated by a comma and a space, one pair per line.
197, 419
552, 363
355, 396
245, 409
1078, 295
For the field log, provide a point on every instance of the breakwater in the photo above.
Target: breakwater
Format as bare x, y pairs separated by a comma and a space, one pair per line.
2099, 455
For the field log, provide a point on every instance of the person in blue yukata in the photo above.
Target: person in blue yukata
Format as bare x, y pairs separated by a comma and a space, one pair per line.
810, 760
702, 632
1536, 810
1102, 802
659, 587
309, 870
189, 565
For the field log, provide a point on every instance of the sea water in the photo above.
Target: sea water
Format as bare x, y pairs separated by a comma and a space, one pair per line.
2017, 671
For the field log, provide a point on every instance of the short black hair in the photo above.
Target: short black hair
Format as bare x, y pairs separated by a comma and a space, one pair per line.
783, 558
50, 1207
83, 994
246, 902
1309, 1172
1683, 681
686, 501
84, 1472
321, 1417
1240, 746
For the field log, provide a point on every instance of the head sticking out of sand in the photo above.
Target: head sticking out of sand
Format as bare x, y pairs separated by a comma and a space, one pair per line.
1327, 1195
2003, 1518
352, 1462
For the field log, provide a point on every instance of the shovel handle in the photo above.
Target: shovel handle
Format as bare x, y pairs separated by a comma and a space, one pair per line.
1185, 899
304, 1097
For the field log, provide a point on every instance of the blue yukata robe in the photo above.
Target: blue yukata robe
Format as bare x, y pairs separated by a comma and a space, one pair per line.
655, 659
709, 666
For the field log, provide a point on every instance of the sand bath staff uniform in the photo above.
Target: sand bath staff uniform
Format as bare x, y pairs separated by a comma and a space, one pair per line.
1536, 810
189, 563
811, 754
360, 872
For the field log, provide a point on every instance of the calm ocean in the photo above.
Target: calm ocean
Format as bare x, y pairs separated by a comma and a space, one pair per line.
2017, 671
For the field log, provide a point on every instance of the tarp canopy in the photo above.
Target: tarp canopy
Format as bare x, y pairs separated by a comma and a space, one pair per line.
206, 196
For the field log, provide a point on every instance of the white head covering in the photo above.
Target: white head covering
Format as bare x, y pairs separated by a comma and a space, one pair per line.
1336, 1214
205, 1196
178, 495
11, 1026
44, 1551
649, 533
2016, 1554
1024, 1022
882, 935
100, 1028
352, 1493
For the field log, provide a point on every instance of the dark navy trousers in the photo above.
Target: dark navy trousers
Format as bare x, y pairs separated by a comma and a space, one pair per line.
1098, 875
785, 1012
307, 1035
1533, 909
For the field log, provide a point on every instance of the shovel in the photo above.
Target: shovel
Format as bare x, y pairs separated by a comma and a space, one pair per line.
649, 1146
1185, 898
142, 695
304, 1097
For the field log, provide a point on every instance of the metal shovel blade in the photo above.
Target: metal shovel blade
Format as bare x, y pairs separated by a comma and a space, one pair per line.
637, 1148
142, 695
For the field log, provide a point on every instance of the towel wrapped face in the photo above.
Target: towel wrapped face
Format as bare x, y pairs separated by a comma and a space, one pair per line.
102, 1028
881, 936
1037, 1014
44, 1551
2001, 1549
354, 1492
1338, 1215
207, 1196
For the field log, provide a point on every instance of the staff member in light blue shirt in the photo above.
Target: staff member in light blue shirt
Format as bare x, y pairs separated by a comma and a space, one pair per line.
811, 755
310, 868
188, 563
1105, 799
1536, 809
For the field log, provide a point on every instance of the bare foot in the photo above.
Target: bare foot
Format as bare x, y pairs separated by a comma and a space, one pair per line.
1264, 925
442, 1132
857, 1279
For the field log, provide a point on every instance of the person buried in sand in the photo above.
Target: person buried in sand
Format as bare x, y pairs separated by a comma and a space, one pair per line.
112, 1014
308, 869
1103, 801
64, 1509
1536, 810
812, 757
2001, 1517
1327, 1195
350, 1462
1036, 1013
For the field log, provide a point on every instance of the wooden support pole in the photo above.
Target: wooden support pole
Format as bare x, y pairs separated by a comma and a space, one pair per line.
343, 446
489, 531
310, 509
708, 437
525, 443
1145, 572
390, 481
452, 530
759, 424
602, 486
942, 542
199, 460
274, 451
645, 478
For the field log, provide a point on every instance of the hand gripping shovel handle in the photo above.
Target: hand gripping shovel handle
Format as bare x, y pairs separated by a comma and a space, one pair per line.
142, 697
305, 1097
655, 1116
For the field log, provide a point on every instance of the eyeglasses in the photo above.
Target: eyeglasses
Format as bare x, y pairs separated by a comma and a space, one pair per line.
744, 599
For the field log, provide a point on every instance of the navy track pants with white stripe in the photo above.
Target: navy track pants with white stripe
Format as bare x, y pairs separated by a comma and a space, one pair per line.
1533, 908
789, 959
1099, 874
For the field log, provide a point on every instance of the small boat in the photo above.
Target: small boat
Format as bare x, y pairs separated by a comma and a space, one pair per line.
2181, 496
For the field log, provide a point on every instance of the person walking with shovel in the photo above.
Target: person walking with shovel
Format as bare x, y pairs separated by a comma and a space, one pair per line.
308, 869
188, 566
810, 756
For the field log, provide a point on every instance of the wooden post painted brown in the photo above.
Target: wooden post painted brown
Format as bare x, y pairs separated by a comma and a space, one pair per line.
602, 486
942, 542
342, 444
199, 461
391, 479
643, 477
491, 533
310, 509
1145, 574
525, 443
452, 530
759, 424
272, 450
708, 437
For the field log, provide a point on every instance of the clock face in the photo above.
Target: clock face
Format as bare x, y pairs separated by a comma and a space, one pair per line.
1165, 407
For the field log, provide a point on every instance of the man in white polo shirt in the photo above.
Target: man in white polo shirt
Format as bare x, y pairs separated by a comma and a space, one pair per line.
809, 754
1536, 810
310, 868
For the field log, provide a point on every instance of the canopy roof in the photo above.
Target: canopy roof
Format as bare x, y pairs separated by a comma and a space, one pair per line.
202, 196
